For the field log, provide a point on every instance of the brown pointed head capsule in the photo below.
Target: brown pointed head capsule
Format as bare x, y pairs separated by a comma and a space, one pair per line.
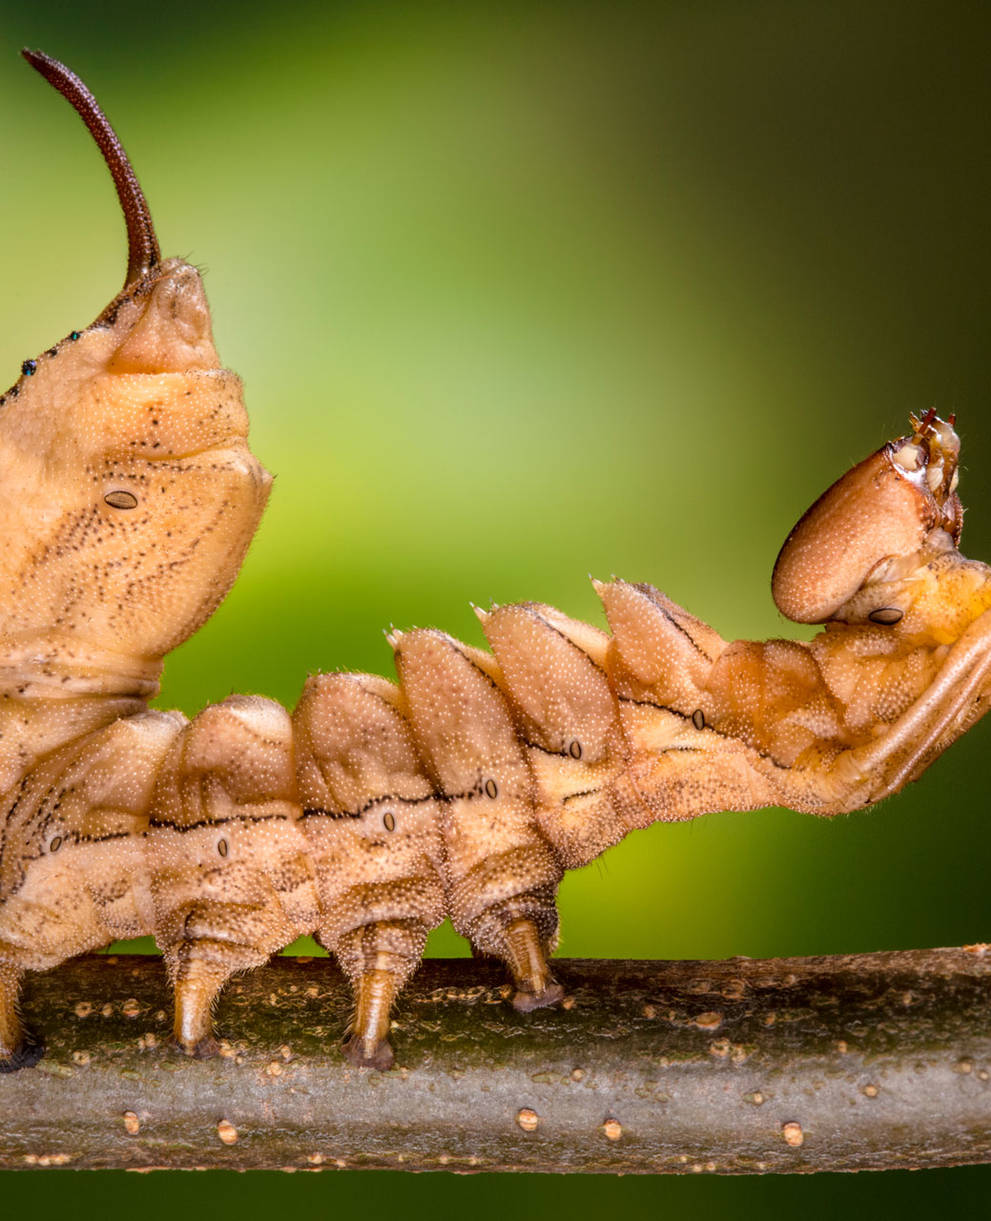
899, 501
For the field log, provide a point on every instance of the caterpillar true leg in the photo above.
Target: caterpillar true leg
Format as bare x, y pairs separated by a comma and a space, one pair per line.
951, 703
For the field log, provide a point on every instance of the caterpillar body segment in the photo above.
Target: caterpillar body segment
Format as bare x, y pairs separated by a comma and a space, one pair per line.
372, 821
465, 789
73, 871
569, 728
501, 872
226, 856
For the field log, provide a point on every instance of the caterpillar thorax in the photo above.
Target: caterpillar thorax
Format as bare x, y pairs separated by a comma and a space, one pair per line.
377, 809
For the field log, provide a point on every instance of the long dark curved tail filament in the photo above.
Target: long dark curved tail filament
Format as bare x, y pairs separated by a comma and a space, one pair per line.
142, 244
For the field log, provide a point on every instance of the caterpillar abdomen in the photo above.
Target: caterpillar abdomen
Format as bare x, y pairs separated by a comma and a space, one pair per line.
366, 818
376, 810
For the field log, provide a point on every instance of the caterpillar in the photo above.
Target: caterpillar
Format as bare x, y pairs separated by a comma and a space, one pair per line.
376, 809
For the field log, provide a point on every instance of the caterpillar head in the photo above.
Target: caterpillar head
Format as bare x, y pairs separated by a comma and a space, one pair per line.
127, 489
874, 527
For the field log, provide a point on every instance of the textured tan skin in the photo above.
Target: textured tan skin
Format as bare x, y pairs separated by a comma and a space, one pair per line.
466, 790
135, 408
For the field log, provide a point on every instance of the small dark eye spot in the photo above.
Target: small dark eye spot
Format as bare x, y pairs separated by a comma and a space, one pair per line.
885, 615
389, 820
29, 367
120, 499
491, 788
575, 750
698, 719
222, 847
74, 335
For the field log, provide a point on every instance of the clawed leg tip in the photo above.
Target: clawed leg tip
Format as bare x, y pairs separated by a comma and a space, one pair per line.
26, 1056
205, 1049
381, 1056
525, 1002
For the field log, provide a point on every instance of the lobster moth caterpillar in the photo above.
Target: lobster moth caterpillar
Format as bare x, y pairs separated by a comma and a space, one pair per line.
377, 809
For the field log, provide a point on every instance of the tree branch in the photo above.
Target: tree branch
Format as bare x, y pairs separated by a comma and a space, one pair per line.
869, 1061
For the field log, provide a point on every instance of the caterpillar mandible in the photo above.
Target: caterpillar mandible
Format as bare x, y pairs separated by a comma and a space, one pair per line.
375, 809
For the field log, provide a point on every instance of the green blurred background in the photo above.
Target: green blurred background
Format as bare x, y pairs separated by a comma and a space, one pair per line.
521, 293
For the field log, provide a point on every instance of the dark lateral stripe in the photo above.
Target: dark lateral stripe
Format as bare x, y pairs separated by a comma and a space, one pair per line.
75, 837
544, 750
477, 790
574, 796
336, 815
387, 799
182, 828
684, 716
